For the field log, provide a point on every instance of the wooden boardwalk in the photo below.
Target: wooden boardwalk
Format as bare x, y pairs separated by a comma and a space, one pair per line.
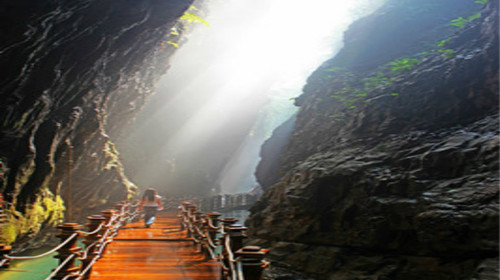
159, 252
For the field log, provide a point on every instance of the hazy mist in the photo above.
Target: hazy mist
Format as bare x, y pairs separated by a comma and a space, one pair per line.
229, 86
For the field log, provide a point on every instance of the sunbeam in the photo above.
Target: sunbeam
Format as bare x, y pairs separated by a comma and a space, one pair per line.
228, 79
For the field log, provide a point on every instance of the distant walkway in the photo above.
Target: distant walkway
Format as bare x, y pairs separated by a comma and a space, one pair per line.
159, 252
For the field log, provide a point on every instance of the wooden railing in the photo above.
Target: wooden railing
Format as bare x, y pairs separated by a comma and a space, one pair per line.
221, 239
228, 202
101, 229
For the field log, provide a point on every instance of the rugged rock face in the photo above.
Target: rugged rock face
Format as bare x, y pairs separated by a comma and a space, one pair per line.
267, 171
392, 173
73, 73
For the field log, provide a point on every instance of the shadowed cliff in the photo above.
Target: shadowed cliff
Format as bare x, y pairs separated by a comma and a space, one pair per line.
391, 171
73, 74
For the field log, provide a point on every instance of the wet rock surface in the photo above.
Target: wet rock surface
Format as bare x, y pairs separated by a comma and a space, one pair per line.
73, 74
399, 186
267, 171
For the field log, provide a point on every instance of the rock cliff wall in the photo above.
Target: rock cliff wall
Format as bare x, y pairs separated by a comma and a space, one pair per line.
391, 171
73, 74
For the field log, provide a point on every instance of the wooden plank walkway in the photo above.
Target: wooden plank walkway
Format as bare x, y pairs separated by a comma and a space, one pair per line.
153, 253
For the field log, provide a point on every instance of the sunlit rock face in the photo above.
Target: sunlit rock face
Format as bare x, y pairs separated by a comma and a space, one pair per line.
393, 175
73, 74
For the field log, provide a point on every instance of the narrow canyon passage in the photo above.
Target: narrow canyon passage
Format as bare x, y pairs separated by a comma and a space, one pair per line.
353, 139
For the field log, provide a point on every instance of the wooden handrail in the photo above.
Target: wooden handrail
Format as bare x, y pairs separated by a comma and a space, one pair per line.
219, 239
101, 231
222, 240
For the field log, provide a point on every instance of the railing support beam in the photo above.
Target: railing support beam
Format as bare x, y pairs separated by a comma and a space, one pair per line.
237, 262
93, 224
70, 248
237, 234
213, 218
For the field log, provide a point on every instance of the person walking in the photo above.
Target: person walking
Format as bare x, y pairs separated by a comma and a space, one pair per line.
150, 204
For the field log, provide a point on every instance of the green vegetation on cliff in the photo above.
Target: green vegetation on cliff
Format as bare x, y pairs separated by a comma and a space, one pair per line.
48, 209
189, 17
113, 162
353, 90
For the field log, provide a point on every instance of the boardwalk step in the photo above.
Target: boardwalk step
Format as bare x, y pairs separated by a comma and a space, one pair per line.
157, 253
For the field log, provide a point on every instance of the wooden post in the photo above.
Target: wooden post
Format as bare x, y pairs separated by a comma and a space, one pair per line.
93, 223
211, 224
108, 215
198, 222
190, 217
198, 215
119, 207
226, 223
202, 223
67, 230
237, 234
183, 213
213, 217
191, 208
252, 261
5, 250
